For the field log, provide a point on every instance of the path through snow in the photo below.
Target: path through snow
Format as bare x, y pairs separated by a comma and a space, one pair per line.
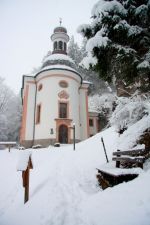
64, 189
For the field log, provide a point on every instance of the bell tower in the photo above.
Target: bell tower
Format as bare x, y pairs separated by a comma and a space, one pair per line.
60, 39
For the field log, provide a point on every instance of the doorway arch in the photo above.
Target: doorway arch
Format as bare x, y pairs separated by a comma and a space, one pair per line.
63, 134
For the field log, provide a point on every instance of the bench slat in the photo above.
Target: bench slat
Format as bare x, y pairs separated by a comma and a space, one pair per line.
136, 152
128, 159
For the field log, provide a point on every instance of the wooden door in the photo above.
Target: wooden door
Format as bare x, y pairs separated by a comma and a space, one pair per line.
63, 134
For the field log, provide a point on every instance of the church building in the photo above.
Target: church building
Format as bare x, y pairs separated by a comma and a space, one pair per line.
55, 99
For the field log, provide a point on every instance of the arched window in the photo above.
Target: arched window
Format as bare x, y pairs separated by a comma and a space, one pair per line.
40, 87
60, 45
55, 45
65, 46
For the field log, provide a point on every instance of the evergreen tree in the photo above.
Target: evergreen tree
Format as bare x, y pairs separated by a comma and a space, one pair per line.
119, 41
77, 54
74, 51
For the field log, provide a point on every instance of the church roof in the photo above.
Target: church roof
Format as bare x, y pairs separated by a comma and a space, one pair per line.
58, 66
60, 59
60, 29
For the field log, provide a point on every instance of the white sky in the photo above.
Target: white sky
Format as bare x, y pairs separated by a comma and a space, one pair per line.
25, 30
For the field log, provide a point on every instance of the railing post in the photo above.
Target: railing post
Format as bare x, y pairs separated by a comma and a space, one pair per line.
118, 162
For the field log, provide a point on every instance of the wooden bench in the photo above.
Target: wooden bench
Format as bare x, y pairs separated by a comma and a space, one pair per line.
131, 157
108, 177
8, 144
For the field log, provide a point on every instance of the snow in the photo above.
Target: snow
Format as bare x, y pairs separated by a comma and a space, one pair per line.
83, 27
109, 168
129, 111
88, 60
58, 66
97, 41
7, 143
87, 82
141, 9
23, 160
64, 188
58, 57
106, 6
144, 64
129, 137
102, 104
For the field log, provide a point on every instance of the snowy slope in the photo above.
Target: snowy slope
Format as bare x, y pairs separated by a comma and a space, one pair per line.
64, 189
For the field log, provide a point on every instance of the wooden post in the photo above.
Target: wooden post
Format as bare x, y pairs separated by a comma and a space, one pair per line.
26, 176
140, 165
9, 148
118, 162
104, 149
26, 184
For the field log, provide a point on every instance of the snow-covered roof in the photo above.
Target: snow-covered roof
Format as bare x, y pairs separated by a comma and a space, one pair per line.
54, 57
87, 82
90, 110
55, 61
58, 66
23, 160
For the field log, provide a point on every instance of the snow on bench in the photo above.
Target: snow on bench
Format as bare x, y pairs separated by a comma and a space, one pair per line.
24, 160
108, 176
8, 143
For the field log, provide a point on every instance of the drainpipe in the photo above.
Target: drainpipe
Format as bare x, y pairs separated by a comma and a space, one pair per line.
34, 111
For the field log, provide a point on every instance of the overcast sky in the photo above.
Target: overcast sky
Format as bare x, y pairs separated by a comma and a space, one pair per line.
25, 30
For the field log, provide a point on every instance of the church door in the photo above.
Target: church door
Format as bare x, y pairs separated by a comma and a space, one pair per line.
63, 134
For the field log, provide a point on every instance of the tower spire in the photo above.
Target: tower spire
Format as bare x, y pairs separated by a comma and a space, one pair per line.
60, 39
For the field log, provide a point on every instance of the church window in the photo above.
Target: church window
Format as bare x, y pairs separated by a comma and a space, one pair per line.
65, 46
55, 45
63, 110
63, 84
40, 87
91, 122
38, 114
60, 45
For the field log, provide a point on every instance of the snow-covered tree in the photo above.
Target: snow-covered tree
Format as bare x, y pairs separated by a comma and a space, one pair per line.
103, 104
10, 113
14, 110
74, 51
119, 41
129, 111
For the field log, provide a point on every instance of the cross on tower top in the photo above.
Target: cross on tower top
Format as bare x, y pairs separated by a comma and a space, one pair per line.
60, 21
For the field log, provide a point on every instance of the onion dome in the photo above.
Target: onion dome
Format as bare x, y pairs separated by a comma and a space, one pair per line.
60, 30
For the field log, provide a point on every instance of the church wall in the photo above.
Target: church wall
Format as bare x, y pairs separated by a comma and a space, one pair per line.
30, 112
49, 100
94, 126
84, 114
28, 95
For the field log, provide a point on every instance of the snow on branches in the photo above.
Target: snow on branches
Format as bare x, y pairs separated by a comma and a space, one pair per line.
118, 40
128, 112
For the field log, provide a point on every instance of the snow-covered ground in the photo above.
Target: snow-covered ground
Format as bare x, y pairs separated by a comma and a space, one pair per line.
64, 189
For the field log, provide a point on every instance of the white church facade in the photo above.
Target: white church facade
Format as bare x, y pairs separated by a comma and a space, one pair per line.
55, 99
